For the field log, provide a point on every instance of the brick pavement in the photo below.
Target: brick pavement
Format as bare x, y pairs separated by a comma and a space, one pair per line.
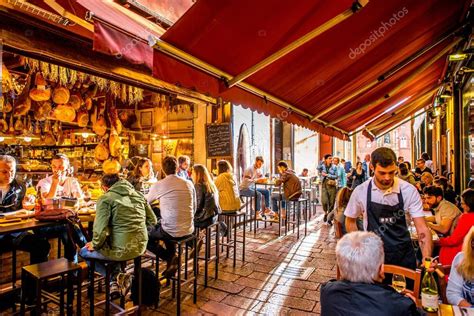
253, 288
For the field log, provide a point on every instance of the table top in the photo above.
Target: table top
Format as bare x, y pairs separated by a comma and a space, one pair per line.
448, 310
24, 225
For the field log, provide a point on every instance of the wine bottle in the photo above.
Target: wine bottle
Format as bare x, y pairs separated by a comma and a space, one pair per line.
429, 290
39, 202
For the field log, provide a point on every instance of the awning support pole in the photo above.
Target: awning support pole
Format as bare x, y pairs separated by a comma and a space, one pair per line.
359, 4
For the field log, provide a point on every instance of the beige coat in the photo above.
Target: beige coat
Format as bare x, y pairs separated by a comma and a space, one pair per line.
229, 197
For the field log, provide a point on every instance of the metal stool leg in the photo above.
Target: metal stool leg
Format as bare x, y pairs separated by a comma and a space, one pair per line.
178, 305
217, 251
195, 271
235, 238
107, 290
91, 287
207, 254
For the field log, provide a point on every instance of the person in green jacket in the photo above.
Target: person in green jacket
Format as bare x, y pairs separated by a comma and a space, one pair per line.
120, 225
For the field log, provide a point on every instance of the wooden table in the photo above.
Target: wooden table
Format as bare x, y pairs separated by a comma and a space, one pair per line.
444, 310
24, 225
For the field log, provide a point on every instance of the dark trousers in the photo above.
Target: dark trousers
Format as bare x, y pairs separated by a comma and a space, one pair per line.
156, 234
328, 197
38, 247
69, 239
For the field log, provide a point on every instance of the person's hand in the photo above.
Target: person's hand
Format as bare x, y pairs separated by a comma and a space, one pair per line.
57, 175
433, 264
89, 246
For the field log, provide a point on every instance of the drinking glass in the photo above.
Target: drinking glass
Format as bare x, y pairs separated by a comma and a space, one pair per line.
399, 283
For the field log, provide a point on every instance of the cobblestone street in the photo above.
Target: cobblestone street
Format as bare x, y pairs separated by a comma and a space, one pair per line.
256, 288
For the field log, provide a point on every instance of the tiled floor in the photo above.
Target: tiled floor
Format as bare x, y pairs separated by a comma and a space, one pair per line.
254, 287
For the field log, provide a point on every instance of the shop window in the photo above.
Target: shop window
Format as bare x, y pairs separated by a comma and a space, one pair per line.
386, 138
403, 142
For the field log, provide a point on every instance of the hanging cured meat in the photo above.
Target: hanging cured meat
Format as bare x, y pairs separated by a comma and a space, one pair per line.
40, 92
65, 113
83, 118
61, 95
23, 103
76, 101
7, 83
101, 152
111, 166
115, 145
100, 126
43, 110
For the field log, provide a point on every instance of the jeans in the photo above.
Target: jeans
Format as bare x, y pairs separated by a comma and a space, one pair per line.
60, 231
250, 192
99, 267
275, 198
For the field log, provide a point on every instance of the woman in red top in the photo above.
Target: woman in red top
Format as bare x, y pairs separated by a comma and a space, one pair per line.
451, 245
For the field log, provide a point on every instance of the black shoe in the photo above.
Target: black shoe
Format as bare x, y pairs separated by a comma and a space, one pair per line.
171, 267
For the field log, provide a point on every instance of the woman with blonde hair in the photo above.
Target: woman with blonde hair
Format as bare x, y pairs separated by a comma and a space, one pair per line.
460, 289
229, 196
207, 197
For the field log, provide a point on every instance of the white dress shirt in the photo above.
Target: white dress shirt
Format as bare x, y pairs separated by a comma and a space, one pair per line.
411, 199
70, 187
177, 198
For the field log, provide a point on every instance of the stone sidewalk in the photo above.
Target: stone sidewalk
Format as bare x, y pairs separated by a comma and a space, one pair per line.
255, 287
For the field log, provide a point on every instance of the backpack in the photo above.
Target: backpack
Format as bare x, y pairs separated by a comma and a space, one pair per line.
150, 288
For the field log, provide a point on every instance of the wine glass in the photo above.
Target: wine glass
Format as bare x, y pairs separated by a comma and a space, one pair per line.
398, 282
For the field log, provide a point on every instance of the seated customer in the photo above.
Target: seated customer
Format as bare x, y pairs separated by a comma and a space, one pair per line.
177, 199
342, 199
252, 175
12, 195
460, 289
120, 225
360, 257
445, 212
229, 198
207, 197
58, 185
291, 187
450, 246
142, 176
449, 194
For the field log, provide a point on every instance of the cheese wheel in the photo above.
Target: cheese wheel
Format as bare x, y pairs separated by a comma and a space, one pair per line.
61, 95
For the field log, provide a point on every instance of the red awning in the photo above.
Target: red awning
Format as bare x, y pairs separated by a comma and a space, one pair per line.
121, 33
235, 35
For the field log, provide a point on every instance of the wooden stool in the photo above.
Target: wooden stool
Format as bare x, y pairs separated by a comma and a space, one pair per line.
108, 266
294, 207
232, 220
176, 280
41, 272
207, 253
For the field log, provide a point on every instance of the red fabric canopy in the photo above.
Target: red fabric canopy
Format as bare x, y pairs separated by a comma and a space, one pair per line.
234, 35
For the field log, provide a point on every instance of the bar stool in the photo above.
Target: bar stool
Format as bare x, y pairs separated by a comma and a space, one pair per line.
247, 207
108, 267
232, 220
207, 253
176, 280
44, 271
294, 208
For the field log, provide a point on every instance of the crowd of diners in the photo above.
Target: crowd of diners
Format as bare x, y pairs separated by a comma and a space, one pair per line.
375, 218
138, 211
380, 196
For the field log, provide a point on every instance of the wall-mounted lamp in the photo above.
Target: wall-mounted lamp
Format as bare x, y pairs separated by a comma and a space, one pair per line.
430, 126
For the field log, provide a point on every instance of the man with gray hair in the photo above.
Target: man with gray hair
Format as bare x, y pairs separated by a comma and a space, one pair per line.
360, 257
12, 195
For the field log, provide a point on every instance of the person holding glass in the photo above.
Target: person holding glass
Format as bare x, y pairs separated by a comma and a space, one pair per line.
58, 185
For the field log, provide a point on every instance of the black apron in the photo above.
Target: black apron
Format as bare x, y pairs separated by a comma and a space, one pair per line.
389, 223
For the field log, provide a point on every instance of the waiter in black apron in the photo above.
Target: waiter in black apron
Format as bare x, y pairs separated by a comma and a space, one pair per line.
383, 201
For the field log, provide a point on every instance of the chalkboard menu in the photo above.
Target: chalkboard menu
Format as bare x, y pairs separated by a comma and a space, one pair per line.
219, 140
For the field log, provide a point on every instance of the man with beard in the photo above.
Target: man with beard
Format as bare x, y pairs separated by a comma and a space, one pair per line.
383, 202
445, 212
